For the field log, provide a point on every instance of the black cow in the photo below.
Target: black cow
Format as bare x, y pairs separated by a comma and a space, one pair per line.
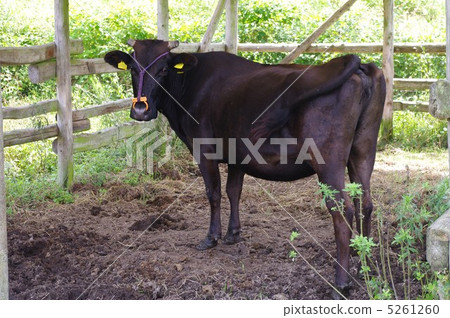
258, 119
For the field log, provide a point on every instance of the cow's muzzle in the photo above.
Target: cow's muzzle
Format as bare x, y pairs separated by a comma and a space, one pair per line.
141, 111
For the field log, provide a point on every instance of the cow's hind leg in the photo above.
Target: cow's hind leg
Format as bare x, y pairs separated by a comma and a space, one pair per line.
341, 210
211, 176
360, 168
364, 146
234, 189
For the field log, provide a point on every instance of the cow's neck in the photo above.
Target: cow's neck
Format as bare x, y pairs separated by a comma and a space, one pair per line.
172, 114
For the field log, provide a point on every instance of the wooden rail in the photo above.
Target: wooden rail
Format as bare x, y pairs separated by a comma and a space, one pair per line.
44, 71
412, 106
21, 112
413, 84
23, 136
104, 137
350, 48
41, 53
79, 118
98, 110
34, 54
51, 105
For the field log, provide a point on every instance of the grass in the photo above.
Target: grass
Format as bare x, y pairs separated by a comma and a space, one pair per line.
418, 132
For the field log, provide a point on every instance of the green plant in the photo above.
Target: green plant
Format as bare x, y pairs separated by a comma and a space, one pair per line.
292, 237
99, 166
417, 131
26, 194
413, 213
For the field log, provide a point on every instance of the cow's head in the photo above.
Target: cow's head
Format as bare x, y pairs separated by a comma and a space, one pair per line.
149, 63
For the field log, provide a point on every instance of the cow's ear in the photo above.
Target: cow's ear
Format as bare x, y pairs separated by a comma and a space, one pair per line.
183, 62
118, 59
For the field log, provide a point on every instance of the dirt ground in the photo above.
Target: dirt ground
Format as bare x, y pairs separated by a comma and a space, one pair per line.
124, 242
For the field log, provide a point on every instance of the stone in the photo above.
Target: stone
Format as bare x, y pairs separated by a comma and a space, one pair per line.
208, 290
438, 237
280, 297
439, 105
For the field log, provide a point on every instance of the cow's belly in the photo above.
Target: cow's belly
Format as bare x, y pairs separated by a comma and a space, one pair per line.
271, 163
279, 172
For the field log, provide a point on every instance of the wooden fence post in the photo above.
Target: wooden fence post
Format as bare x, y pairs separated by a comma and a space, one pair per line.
64, 94
163, 20
388, 70
231, 26
447, 5
3, 237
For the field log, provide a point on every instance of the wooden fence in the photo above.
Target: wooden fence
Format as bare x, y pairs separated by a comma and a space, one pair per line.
47, 62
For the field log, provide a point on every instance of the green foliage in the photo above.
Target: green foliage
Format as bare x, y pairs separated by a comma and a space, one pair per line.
419, 131
99, 166
438, 198
413, 214
23, 194
354, 190
293, 236
363, 245
29, 160
327, 192
293, 253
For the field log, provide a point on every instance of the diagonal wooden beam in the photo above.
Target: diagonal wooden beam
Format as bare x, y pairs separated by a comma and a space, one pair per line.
318, 32
212, 27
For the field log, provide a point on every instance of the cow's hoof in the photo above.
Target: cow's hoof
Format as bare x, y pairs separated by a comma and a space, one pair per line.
231, 238
341, 292
207, 243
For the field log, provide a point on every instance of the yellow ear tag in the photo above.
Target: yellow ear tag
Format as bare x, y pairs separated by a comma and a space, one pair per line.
179, 66
122, 65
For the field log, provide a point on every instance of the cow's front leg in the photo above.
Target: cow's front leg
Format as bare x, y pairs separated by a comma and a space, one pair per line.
211, 176
234, 189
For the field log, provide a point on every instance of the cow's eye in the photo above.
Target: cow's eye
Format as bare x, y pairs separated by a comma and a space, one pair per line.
161, 71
